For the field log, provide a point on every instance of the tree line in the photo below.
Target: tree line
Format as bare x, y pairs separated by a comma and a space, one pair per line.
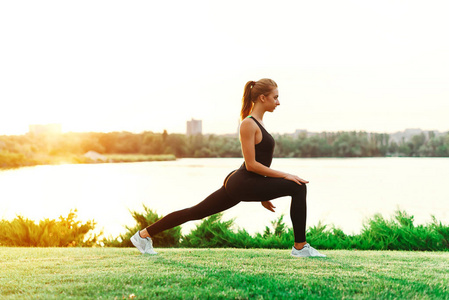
361, 144
30, 149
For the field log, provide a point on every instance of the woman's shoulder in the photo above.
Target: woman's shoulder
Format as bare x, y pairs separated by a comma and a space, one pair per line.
248, 125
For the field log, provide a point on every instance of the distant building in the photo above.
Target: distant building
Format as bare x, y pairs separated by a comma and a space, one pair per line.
45, 129
95, 156
194, 127
408, 133
299, 132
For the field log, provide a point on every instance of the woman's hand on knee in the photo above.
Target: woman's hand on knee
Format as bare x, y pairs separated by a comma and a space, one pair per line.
296, 179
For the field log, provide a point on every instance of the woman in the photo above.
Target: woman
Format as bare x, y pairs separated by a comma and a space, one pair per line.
253, 181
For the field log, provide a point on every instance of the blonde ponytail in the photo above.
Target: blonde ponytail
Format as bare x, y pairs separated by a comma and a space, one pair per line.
252, 91
247, 104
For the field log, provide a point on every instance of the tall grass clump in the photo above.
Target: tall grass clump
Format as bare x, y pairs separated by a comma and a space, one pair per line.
328, 237
64, 232
378, 233
167, 238
213, 232
280, 236
400, 233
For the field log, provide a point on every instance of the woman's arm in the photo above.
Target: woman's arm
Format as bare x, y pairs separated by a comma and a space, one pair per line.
248, 130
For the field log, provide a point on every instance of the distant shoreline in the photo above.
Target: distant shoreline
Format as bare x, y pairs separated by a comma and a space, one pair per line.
17, 161
117, 158
131, 158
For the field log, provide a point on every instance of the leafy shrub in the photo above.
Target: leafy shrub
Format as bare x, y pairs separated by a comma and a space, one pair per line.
167, 238
212, 232
333, 238
443, 231
280, 237
399, 233
64, 232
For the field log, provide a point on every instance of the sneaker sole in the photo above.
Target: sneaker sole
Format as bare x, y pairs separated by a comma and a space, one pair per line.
310, 256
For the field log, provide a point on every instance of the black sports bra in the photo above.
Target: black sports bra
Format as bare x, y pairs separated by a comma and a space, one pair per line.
264, 149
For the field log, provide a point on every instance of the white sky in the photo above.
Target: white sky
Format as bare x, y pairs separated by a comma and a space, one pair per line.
380, 66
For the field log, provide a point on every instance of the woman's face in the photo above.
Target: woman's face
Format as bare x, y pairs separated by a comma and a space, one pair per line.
272, 100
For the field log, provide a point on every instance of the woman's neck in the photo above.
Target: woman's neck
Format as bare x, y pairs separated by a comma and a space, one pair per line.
257, 114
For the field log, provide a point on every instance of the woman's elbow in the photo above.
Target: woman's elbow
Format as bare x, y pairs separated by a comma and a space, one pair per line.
250, 167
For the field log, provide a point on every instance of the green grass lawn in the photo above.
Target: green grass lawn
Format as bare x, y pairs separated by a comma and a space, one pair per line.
122, 273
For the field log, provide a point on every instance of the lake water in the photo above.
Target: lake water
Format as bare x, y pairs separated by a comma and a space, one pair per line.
341, 191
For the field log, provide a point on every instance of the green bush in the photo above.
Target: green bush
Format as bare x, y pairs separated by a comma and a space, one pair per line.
167, 238
64, 232
333, 238
212, 232
399, 233
280, 237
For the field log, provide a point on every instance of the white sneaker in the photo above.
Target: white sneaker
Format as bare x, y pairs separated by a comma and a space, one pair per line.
145, 245
306, 251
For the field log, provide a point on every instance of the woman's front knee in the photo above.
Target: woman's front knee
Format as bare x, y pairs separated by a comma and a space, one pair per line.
300, 189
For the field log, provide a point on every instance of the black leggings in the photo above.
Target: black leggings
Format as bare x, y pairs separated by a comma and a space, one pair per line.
242, 185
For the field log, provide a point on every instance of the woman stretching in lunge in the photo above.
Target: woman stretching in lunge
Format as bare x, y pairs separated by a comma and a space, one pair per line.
253, 181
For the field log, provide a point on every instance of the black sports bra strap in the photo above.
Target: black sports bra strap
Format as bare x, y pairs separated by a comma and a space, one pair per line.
257, 122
